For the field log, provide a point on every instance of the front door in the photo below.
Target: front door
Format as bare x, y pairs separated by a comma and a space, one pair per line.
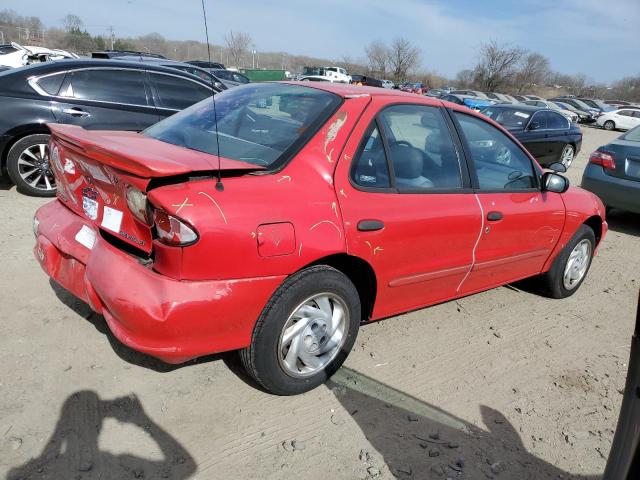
407, 206
105, 99
521, 224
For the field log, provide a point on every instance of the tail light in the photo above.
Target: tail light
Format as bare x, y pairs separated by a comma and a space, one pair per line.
173, 231
138, 204
605, 159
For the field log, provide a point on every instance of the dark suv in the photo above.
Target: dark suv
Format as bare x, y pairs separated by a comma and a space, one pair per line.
94, 94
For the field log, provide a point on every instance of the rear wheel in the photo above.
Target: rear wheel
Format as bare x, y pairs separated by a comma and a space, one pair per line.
305, 332
609, 125
566, 158
29, 166
570, 267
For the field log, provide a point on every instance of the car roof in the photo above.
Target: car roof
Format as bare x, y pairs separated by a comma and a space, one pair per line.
62, 65
346, 90
520, 106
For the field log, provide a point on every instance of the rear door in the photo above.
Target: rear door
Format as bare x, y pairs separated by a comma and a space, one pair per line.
105, 99
521, 224
172, 93
535, 135
406, 203
558, 131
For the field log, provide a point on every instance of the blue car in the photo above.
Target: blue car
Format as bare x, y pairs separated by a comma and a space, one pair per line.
547, 134
473, 103
613, 172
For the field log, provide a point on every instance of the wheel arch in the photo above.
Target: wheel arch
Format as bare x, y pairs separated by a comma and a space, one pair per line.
19, 133
360, 272
595, 223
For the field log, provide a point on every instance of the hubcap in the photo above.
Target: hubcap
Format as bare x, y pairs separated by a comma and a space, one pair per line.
34, 167
567, 156
577, 264
313, 335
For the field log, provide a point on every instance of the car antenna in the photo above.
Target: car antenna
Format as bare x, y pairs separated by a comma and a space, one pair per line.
219, 185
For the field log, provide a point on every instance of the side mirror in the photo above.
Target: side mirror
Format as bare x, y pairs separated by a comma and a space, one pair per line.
533, 126
557, 167
552, 182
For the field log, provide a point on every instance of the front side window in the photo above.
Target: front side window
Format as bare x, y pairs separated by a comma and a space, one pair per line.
177, 93
625, 113
256, 123
499, 162
555, 121
106, 85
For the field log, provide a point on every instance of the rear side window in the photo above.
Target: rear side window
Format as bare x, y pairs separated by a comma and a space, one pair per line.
177, 93
114, 86
540, 120
51, 83
370, 169
500, 164
421, 150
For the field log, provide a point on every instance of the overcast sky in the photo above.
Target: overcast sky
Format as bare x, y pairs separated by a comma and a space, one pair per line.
597, 37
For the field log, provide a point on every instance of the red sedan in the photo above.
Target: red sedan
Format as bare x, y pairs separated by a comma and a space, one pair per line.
278, 220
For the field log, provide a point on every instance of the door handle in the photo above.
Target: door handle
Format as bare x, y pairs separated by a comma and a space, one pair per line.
494, 216
76, 112
370, 225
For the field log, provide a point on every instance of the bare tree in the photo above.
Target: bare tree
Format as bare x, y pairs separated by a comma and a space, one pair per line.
378, 57
237, 46
497, 65
403, 57
534, 71
72, 22
464, 78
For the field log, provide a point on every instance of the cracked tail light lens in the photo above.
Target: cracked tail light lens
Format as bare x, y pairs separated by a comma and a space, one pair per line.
138, 204
605, 159
173, 231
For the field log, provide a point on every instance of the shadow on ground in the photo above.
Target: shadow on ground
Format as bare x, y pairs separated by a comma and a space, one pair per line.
5, 183
418, 440
72, 451
624, 222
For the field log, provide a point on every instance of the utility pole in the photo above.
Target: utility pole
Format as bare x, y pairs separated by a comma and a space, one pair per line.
112, 36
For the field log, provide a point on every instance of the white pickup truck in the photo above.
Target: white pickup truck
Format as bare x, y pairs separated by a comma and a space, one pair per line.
325, 74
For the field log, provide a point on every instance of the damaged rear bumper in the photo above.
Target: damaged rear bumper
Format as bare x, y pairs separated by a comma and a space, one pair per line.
168, 319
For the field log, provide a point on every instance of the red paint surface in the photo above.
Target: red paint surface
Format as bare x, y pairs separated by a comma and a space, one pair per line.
203, 298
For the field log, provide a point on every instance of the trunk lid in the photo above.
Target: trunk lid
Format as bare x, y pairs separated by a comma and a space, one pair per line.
95, 169
627, 157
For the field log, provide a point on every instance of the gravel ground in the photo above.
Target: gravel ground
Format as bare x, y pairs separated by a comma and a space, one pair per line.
503, 384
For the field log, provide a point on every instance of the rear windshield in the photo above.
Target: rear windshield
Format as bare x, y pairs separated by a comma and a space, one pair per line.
508, 117
633, 135
261, 124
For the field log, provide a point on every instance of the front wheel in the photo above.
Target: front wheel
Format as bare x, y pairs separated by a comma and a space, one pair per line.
566, 158
305, 332
570, 267
609, 125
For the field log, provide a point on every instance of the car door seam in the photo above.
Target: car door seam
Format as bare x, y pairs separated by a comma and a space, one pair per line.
475, 247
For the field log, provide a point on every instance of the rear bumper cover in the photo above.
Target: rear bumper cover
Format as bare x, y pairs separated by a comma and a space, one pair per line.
613, 191
168, 319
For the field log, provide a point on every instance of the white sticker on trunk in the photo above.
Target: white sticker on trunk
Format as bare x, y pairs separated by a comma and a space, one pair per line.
111, 219
86, 237
90, 207
69, 167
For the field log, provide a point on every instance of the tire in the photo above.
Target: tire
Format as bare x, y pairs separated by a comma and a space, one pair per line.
28, 166
567, 156
267, 359
553, 282
609, 125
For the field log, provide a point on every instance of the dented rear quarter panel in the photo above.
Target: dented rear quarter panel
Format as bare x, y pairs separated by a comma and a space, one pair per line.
301, 195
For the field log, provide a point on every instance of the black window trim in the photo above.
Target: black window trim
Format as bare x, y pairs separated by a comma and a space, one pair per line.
67, 79
465, 176
472, 169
